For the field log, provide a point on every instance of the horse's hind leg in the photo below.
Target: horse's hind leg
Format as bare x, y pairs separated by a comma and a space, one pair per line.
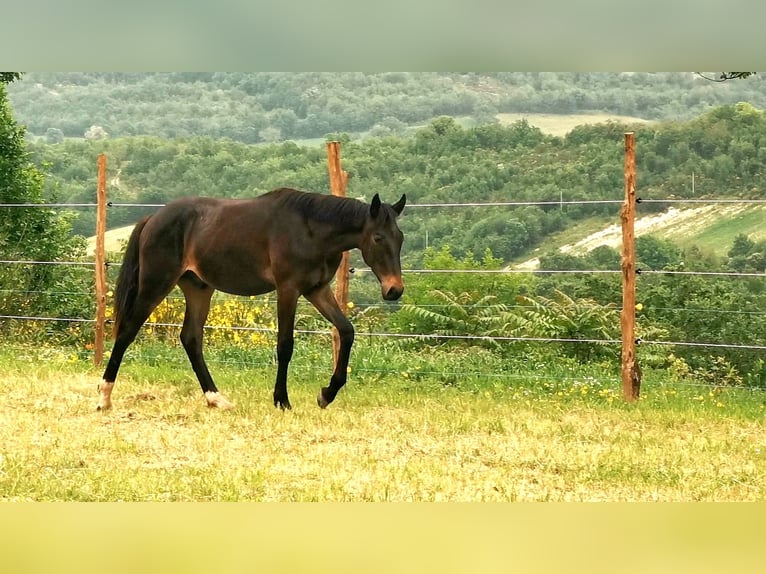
150, 294
198, 296
129, 327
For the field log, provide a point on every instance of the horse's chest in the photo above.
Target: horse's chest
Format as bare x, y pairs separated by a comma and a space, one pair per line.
322, 271
328, 268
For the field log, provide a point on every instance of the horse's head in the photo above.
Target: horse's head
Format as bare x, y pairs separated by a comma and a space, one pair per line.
381, 246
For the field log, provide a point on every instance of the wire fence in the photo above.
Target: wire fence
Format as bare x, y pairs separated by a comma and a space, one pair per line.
389, 307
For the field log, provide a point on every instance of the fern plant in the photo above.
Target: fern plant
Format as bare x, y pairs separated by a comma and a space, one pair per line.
462, 314
563, 317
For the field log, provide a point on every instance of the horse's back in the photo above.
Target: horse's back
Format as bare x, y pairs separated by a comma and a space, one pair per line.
242, 246
224, 242
189, 210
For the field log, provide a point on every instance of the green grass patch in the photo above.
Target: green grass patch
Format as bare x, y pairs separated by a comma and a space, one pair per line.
718, 235
449, 425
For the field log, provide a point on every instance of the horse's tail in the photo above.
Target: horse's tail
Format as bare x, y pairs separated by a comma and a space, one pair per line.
127, 281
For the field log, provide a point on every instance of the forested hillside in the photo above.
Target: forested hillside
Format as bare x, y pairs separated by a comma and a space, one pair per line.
272, 107
442, 163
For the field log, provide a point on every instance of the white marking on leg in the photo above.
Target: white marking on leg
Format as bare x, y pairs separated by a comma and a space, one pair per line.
218, 401
105, 400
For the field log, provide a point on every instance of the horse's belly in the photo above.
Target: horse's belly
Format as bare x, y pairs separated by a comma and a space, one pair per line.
236, 281
244, 287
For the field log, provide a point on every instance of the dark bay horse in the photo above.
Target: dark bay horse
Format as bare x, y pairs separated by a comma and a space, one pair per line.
285, 240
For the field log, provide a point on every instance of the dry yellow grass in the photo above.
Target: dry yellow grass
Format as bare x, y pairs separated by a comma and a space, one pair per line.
376, 444
114, 239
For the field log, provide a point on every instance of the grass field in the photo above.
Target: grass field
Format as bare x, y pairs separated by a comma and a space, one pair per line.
403, 433
114, 240
560, 125
717, 234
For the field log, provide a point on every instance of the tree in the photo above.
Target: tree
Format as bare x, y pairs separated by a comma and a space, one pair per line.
96, 133
20, 182
725, 76
8, 77
746, 255
29, 233
656, 253
54, 136
270, 134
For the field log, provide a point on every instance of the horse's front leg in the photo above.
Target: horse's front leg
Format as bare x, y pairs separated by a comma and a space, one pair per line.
325, 302
287, 301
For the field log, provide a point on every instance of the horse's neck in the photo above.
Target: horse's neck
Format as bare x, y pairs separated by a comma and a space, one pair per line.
345, 230
344, 237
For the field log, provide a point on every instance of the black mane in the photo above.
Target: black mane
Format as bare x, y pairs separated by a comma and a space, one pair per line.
325, 208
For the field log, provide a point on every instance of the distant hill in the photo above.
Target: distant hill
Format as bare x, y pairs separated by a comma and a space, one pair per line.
552, 124
271, 107
519, 167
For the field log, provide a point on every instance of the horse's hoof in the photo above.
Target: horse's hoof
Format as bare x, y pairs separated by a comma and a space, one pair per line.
283, 404
323, 401
105, 401
218, 401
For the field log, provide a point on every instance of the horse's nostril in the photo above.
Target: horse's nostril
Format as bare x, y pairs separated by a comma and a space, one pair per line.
393, 293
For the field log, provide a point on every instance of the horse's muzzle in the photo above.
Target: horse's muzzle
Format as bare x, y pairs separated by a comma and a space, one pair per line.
393, 293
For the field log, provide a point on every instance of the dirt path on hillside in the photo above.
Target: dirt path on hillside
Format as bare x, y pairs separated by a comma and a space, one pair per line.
674, 222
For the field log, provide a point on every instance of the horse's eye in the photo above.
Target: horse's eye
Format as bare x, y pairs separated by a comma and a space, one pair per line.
377, 237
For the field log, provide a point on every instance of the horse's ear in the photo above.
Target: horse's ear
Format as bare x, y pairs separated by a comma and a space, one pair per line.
399, 205
375, 206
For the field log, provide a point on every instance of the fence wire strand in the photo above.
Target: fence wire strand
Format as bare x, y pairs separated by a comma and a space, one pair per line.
460, 271
48, 205
24, 262
544, 203
32, 318
706, 201
422, 336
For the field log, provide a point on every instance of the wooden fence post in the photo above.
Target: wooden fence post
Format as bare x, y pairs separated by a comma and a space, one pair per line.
98, 346
631, 372
338, 180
